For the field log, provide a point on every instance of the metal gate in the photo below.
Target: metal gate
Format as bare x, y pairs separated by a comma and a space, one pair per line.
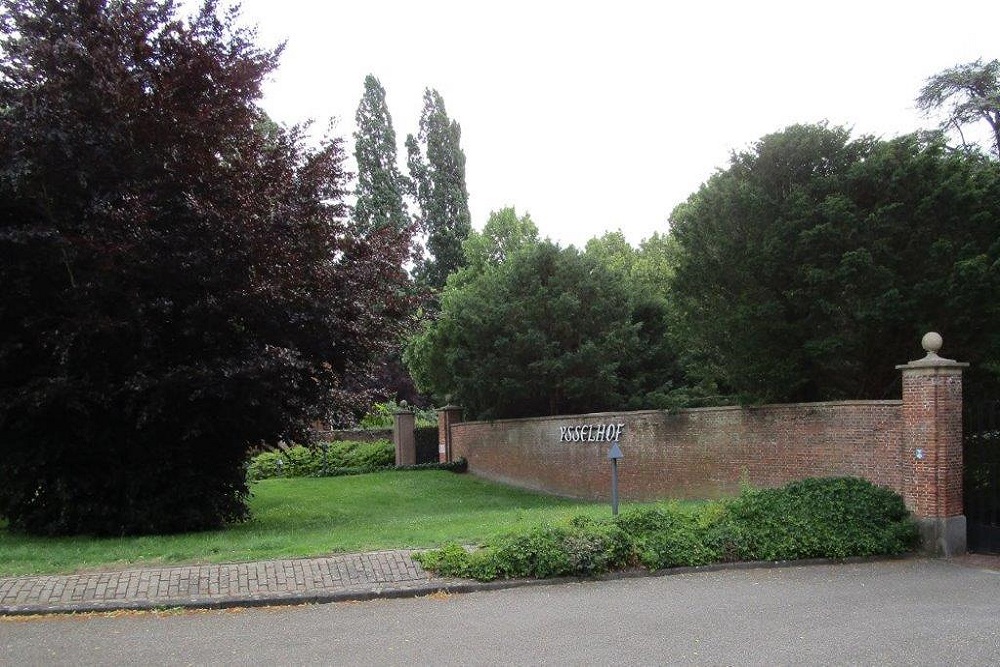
982, 476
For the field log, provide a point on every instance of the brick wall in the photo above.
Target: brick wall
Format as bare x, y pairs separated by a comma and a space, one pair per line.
699, 453
913, 446
932, 418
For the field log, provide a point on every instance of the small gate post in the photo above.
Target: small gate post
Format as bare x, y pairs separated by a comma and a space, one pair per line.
448, 415
402, 436
932, 448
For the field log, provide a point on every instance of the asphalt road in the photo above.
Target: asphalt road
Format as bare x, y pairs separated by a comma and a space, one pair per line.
897, 612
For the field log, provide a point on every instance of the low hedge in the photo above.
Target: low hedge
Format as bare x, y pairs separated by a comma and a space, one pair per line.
831, 517
320, 460
335, 459
458, 465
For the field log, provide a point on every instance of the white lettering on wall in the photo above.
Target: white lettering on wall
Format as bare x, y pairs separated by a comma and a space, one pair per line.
591, 432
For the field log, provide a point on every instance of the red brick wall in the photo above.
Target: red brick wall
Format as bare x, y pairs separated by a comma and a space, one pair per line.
700, 453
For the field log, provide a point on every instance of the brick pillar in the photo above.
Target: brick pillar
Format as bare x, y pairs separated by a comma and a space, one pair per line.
932, 448
402, 436
448, 415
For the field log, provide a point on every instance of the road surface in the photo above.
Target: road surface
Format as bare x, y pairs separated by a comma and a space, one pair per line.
893, 612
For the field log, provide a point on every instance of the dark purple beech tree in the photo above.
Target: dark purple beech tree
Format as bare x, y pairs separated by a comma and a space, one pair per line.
179, 279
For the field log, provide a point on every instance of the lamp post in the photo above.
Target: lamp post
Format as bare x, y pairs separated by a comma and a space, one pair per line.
614, 455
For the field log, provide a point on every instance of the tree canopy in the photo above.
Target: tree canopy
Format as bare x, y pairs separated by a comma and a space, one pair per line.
652, 376
181, 282
437, 169
967, 94
503, 235
540, 334
815, 258
528, 328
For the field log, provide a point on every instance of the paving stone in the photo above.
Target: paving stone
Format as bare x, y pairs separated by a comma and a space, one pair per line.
230, 584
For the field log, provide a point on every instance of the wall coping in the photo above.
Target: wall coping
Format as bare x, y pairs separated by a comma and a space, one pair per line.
722, 408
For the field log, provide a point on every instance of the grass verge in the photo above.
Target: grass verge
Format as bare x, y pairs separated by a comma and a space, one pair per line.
313, 516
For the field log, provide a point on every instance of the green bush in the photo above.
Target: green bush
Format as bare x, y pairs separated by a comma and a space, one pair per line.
672, 536
299, 461
451, 560
814, 518
383, 415
582, 546
834, 517
280, 463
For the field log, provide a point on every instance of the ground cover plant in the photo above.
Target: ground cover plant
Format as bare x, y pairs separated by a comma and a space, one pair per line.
814, 518
313, 516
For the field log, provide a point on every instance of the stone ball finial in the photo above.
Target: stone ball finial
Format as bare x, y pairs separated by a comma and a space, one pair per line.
403, 404
931, 342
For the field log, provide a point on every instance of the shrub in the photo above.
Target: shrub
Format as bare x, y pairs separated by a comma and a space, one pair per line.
382, 415
832, 518
340, 458
672, 536
378, 454
451, 560
582, 546
820, 518
299, 461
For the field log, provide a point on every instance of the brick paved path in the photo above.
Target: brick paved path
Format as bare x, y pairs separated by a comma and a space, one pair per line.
343, 577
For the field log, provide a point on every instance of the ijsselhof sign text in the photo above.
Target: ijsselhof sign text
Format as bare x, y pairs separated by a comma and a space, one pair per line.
591, 433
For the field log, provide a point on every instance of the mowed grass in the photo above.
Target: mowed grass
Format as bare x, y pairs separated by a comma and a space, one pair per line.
314, 516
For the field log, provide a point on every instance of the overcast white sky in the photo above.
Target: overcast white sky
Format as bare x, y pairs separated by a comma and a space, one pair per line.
596, 116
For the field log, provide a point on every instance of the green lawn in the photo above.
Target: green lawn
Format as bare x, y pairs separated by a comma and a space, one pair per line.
312, 516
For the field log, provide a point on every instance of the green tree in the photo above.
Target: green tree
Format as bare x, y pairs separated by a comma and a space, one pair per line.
180, 280
503, 235
652, 376
381, 186
967, 93
647, 268
615, 252
811, 264
527, 328
545, 332
654, 267
437, 169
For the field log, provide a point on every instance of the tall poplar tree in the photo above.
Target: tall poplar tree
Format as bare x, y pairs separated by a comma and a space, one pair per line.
437, 169
381, 186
